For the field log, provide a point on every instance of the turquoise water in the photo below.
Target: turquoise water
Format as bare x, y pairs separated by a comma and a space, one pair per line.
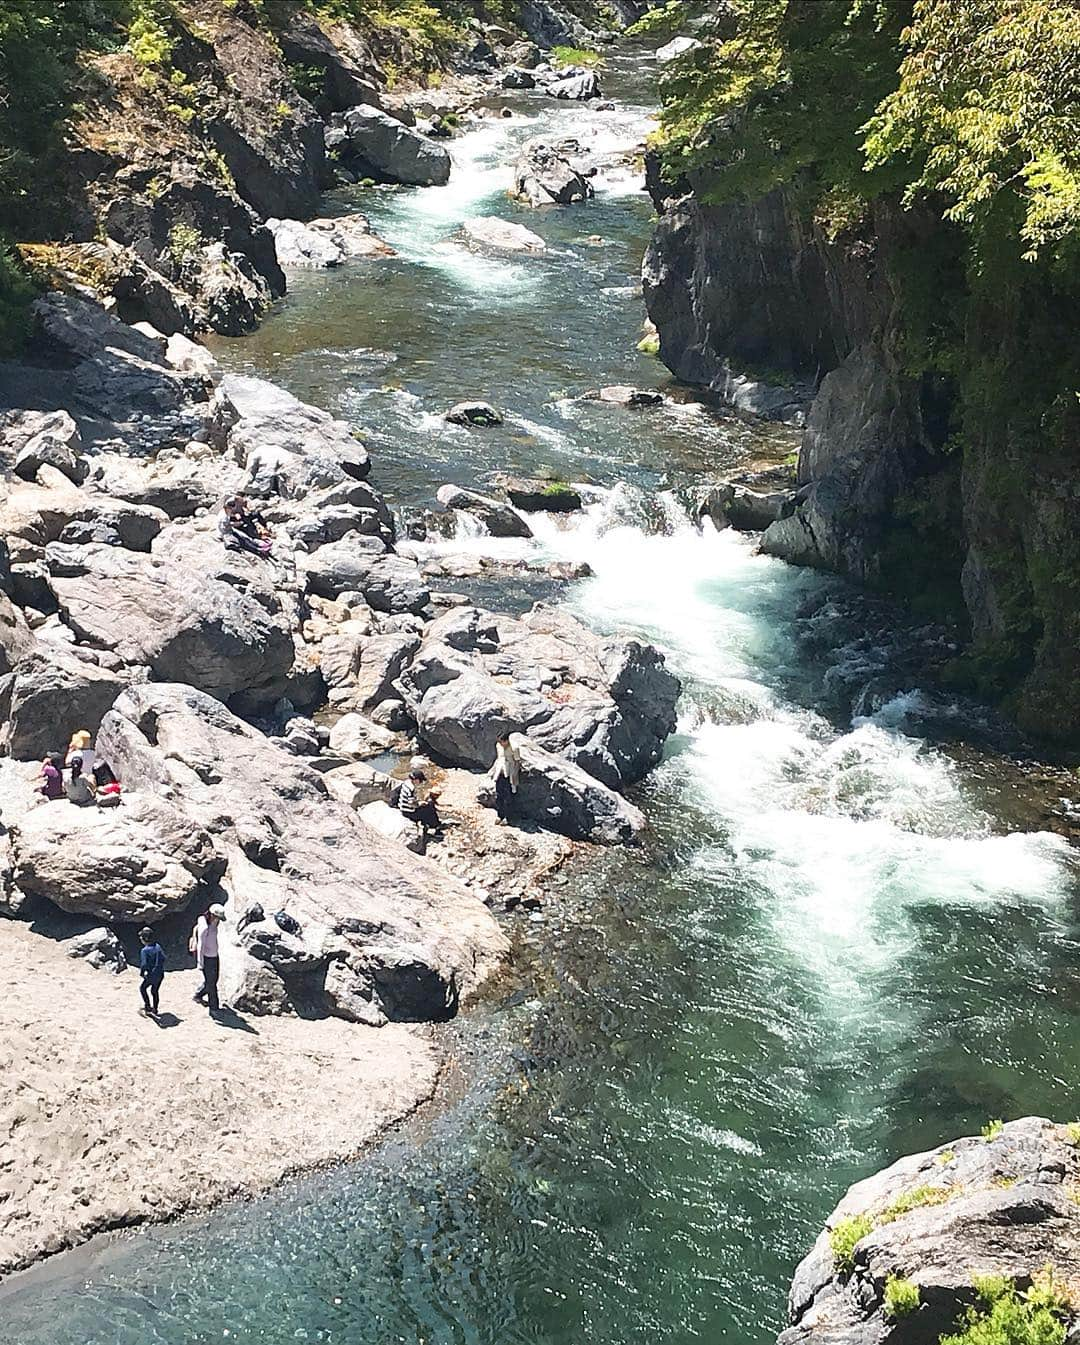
838, 946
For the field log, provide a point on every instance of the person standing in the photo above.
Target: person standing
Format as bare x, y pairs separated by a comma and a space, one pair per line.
151, 969
506, 772
205, 940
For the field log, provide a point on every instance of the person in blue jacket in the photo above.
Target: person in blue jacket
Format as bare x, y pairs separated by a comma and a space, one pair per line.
152, 970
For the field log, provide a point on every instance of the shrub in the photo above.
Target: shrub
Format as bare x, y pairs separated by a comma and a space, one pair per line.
915, 1199
1005, 1317
184, 242
1072, 1133
901, 1296
664, 21
843, 1238
992, 1129
561, 56
16, 296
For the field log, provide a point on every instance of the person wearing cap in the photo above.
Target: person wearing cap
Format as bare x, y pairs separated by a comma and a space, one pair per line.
205, 947
423, 812
151, 970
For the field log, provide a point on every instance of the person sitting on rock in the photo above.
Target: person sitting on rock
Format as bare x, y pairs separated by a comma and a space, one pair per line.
506, 772
52, 776
80, 785
242, 529
81, 746
424, 813
151, 970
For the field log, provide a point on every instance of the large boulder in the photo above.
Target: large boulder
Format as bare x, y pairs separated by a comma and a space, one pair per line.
500, 520
536, 496
608, 704
562, 797
51, 693
300, 247
137, 862
185, 627
48, 438
544, 175
576, 88
381, 933
389, 583
287, 447
394, 152
978, 1207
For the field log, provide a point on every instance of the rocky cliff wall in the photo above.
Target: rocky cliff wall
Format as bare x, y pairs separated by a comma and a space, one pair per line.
754, 301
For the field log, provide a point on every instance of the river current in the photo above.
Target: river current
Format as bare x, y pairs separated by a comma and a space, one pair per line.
840, 945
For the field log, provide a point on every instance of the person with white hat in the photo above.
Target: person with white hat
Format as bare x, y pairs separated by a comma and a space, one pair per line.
204, 944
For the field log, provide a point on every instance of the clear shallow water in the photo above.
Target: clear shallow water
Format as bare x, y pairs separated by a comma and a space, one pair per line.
833, 952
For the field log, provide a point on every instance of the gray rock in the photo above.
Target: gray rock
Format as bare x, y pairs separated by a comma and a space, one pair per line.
500, 520
996, 1207
136, 862
388, 822
51, 693
393, 151
545, 176
365, 667
535, 496
389, 583
576, 88
185, 627
358, 783
234, 293
562, 797
678, 46
517, 78
490, 231
620, 395
355, 736
100, 947
460, 720
353, 235
747, 510
361, 902
473, 413
54, 440
300, 247
16, 641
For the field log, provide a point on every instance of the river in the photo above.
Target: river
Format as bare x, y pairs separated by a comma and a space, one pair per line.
844, 942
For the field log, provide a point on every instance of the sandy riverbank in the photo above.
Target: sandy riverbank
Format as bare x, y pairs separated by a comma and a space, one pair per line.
108, 1119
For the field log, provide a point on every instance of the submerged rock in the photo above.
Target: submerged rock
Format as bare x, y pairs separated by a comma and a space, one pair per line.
473, 413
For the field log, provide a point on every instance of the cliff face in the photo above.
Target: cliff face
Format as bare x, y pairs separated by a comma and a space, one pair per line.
752, 300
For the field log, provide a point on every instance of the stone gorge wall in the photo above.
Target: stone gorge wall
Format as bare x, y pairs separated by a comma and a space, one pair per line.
753, 301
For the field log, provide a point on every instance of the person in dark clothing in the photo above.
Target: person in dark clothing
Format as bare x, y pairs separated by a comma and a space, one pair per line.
52, 776
425, 814
241, 529
151, 970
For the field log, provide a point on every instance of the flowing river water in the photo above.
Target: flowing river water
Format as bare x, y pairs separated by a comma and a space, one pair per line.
844, 942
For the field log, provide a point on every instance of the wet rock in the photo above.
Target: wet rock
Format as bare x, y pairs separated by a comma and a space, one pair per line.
975, 1207
133, 863
490, 231
500, 520
545, 176
302, 248
735, 506
576, 88
537, 496
360, 901
516, 78
394, 152
626, 396
473, 413
100, 948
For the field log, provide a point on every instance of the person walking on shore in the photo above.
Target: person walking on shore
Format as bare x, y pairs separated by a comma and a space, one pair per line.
151, 970
506, 772
205, 947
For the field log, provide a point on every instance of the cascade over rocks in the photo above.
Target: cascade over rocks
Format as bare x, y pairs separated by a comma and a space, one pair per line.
975, 1207
384, 934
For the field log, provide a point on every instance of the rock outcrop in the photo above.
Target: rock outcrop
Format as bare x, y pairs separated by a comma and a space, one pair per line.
545, 175
935, 1223
382, 934
393, 152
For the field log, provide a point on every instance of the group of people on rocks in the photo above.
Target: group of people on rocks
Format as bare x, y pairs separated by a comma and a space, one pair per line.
203, 945
244, 529
421, 806
79, 775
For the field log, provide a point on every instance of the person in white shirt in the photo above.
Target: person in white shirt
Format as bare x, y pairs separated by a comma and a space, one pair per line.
81, 746
204, 944
506, 772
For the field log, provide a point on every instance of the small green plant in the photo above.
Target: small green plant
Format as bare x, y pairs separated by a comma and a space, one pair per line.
557, 488
917, 1198
1072, 1133
946, 1156
650, 344
281, 113
992, 1129
148, 39
155, 188
1005, 1317
184, 242
901, 1296
563, 56
309, 81
844, 1237
182, 113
